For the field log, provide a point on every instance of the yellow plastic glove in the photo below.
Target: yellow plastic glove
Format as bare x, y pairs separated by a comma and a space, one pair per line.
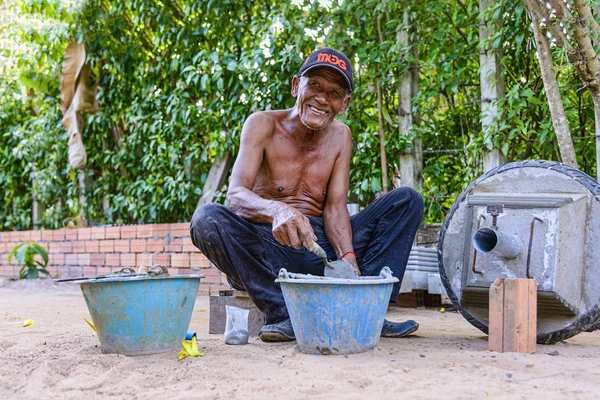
190, 347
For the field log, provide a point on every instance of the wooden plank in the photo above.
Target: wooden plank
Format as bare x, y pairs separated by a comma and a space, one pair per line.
532, 315
216, 178
496, 316
513, 316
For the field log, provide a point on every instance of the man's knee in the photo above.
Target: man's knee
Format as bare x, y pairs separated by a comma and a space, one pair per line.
203, 226
409, 196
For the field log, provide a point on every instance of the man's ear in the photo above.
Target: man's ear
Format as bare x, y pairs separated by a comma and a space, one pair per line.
295, 84
345, 106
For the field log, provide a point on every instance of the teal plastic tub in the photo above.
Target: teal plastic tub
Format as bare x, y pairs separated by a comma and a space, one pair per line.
136, 315
336, 316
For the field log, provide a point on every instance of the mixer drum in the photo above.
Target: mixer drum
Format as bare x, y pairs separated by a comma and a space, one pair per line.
554, 210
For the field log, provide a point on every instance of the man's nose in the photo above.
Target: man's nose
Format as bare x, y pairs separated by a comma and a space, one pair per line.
321, 97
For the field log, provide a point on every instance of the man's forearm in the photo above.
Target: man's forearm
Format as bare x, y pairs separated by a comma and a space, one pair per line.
338, 229
251, 206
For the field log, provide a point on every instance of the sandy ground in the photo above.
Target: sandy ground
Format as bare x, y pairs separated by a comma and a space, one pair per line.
60, 357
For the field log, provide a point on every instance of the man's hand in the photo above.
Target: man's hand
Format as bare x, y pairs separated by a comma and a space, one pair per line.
350, 258
292, 228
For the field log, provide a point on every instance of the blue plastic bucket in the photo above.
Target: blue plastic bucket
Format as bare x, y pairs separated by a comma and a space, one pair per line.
336, 316
141, 314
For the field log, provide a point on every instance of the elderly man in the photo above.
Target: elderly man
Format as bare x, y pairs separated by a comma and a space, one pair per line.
289, 188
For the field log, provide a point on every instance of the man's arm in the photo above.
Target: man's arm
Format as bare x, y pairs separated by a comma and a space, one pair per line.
336, 218
290, 227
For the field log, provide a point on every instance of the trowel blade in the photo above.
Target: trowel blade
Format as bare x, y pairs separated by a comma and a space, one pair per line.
340, 269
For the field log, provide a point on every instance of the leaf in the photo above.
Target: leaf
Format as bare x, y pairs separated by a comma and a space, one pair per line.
91, 325
386, 115
41, 251
27, 322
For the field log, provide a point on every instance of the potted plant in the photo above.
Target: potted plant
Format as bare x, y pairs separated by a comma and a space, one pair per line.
25, 254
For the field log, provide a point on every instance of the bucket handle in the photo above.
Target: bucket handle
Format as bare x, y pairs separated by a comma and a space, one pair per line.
158, 269
385, 273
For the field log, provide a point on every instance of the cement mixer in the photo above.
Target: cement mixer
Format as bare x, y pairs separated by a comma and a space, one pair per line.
528, 219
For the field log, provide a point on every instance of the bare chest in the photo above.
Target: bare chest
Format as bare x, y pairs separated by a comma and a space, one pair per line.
297, 169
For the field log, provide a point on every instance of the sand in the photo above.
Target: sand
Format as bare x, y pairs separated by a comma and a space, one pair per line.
59, 357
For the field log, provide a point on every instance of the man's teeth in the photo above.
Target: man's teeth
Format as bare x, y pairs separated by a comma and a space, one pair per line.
320, 112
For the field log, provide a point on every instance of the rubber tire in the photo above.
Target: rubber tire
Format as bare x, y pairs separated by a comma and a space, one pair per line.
584, 321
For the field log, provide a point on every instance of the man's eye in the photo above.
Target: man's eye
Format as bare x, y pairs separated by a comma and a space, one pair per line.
336, 95
314, 84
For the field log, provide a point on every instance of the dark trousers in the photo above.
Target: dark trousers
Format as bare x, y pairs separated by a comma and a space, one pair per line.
247, 252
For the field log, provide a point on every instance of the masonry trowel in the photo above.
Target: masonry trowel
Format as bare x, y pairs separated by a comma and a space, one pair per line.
334, 269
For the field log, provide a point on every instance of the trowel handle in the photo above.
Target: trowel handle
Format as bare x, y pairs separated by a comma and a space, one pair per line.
318, 251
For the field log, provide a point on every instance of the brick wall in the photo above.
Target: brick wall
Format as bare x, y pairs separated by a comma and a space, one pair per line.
102, 250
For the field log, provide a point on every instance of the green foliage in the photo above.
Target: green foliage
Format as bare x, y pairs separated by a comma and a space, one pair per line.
178, 78
25, 253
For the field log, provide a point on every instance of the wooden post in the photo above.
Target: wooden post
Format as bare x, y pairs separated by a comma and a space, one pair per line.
513, 316
492, 84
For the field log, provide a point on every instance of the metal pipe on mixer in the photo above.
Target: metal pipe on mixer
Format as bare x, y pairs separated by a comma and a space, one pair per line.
488, 240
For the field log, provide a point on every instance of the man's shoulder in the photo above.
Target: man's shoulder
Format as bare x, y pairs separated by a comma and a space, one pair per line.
339, 128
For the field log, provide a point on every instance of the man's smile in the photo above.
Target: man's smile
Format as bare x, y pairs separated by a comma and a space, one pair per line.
317, 111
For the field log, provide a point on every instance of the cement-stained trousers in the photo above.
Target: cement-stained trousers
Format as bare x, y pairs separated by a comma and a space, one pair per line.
382, 235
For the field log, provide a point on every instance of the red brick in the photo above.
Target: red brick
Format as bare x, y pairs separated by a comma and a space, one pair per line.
78, 246
128, 260
103, 270
24, 236
46, 235
14, 236
180, 260
90, 271
143, 259
92, 246
97, 259
1, 236
59, 234
212, 275
36, 235
144, 231
3, 248
113, 232
56, 259
203, 290
181, 229
174, 246
162, 259
66, 247
83, 259
98, 232
112, 259
84, 233
107, 246
71, 233
122, 246
161, 230
71, 259
138, 245
54, 247
154, 245
128, 232
188, 245
199, 260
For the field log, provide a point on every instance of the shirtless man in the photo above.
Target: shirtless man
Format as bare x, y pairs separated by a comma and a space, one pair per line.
289, 188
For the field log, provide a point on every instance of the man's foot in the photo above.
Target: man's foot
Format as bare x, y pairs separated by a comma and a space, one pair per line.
398, 329
278, 332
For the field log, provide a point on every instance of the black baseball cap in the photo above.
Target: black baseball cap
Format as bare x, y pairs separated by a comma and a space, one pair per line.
330, 58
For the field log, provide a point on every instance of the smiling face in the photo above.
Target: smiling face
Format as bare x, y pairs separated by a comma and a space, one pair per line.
321, 95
